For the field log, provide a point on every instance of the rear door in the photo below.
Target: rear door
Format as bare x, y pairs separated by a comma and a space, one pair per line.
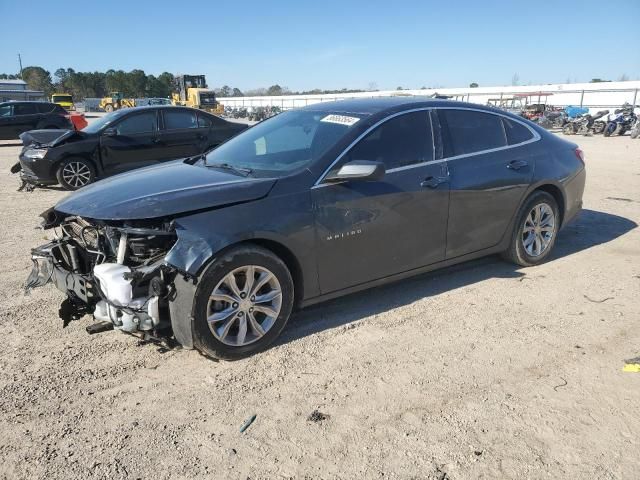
490, 168
217, 129
180, 134
135, 142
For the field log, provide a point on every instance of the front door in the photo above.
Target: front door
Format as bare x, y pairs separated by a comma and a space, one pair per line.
489, 174
134, 144
367, 230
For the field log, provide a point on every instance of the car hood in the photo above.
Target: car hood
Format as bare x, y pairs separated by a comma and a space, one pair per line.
165, 190
47, 138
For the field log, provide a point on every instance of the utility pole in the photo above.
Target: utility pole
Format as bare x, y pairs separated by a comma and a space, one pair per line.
20, 62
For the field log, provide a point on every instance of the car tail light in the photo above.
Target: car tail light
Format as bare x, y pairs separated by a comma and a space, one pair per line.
580, 154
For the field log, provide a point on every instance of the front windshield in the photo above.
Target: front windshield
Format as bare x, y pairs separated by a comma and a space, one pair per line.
108, 119
62, 98
287, 142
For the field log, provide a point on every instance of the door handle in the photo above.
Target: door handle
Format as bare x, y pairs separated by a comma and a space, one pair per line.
517, 164
156, 140
433, 182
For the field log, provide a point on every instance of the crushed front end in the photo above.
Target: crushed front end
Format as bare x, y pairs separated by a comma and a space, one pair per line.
115, 270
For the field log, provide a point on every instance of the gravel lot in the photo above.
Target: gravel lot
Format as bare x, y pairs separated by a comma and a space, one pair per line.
478, 371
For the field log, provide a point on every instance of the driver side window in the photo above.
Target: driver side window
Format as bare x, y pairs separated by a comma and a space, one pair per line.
402, 141
136, 124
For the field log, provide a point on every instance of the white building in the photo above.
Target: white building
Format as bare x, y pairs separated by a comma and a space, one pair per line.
594, 96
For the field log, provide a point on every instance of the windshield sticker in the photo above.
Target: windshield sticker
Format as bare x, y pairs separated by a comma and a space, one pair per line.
340, 119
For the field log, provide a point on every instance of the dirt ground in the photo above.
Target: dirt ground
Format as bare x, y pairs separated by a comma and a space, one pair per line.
479, 371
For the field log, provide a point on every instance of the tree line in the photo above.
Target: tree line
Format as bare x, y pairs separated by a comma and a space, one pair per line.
134, 84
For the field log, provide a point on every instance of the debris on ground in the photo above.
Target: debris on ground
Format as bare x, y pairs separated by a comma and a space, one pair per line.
317, 416
597, 301
632, 365
441, 474
248, 423
621, 199
561, 385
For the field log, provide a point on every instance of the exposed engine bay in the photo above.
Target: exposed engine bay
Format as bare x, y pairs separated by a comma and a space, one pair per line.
114, 270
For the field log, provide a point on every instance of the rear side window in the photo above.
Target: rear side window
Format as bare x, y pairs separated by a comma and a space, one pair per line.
24, 109
204, 121
46, 107
140, 123
469, 131
516, 132
5, 110
179, 119
402, 141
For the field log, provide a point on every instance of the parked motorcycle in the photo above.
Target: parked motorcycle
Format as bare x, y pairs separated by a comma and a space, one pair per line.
553, 119
621, 122
583, 124
635, 130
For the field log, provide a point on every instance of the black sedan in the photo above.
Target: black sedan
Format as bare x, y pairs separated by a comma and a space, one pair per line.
308, 205
19, 117
118, 142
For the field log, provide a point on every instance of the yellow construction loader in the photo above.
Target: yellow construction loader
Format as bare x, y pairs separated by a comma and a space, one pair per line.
192, 91
115, 101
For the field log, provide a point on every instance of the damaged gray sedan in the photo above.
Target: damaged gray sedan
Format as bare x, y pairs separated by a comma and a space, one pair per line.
215, 251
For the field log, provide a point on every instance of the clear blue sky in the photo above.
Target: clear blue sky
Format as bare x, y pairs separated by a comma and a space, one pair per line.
330, 44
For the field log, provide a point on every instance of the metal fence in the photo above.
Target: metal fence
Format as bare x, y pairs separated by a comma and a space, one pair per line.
589, 98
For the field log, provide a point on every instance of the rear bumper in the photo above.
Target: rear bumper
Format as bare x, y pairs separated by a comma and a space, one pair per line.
574, 190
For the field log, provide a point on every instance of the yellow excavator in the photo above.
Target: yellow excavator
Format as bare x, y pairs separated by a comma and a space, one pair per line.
192, 91
115, 101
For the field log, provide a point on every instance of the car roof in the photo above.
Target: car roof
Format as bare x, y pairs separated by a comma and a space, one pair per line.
370, 106
157, 107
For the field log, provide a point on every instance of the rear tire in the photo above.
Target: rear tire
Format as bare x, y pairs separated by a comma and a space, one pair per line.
234, 319
567, 129
75, 173
535, 231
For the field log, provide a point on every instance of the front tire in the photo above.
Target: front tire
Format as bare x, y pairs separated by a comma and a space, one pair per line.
75, 173
243, 302
535, 231
108, 108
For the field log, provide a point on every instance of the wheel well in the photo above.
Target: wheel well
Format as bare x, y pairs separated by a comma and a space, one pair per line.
290, 261
556, 193
71, 157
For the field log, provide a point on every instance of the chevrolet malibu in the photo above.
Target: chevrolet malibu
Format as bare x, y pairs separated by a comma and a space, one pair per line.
218, 249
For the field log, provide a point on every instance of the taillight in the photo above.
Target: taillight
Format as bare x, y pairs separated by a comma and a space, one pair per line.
580, 154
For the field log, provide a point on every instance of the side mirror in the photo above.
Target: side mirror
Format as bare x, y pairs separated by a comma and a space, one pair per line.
110, 132
357, 170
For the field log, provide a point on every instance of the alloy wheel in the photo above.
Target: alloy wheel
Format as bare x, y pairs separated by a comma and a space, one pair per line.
244, 305
539, 229
76, 174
